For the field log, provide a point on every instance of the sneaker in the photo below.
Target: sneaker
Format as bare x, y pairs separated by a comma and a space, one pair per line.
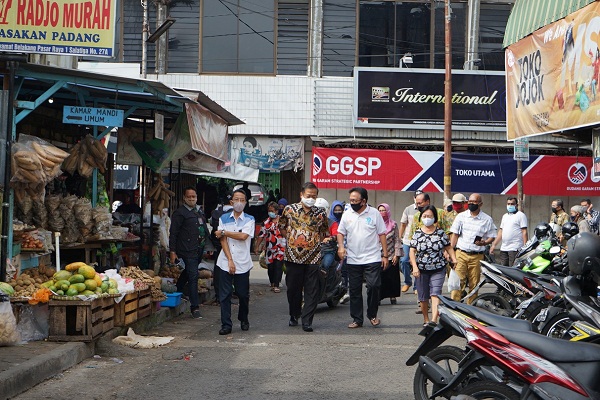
345, 298
196, 314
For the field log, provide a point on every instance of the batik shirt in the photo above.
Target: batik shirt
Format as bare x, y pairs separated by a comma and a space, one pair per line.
305, 230
275, 241
430, 249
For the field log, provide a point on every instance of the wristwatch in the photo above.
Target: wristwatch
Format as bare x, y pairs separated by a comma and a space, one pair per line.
222, 232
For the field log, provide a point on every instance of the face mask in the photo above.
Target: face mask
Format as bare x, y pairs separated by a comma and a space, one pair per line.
280, 211
473, 207
190, 203
272, 215
356, 207
458, 207
308, 202
554, 209
511, 209
238, 207
420, 209
573, 218
337, 215
427, 221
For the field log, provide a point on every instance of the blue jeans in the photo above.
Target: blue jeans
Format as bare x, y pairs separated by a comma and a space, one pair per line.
328, 259
405, 265
242, 289
190, 276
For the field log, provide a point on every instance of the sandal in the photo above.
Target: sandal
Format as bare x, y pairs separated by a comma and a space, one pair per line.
353, 325
276, 290
375, 321
426, 324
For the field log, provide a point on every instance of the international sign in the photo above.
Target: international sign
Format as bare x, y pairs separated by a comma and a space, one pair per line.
66, 27
521, 152
92, 116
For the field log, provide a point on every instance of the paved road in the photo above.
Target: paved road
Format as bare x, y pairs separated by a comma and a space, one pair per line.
271, 360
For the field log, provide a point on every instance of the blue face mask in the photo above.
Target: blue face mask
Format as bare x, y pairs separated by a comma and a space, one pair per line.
272, 215
511, 209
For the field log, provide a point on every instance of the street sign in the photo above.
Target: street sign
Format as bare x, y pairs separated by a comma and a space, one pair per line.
521, 152
92, 116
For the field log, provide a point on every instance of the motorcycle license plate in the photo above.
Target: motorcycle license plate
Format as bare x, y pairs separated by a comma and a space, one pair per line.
542, 315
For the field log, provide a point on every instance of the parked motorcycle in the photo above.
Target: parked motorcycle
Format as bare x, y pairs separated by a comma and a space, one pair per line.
331, 287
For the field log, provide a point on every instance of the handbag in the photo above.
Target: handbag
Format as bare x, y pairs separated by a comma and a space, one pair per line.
262, 259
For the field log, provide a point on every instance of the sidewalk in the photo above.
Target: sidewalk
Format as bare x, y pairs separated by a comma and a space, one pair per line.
24, 366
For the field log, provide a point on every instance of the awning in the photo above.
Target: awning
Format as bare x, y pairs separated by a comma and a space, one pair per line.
527, 16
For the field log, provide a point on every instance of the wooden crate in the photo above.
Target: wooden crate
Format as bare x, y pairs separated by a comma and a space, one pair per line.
108, 314
126, 311
144, 303
75, 320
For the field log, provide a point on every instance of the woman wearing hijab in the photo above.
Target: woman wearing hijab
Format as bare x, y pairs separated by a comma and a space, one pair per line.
390, 278
282, 203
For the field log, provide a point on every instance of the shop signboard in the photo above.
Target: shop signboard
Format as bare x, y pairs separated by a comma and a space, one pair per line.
521, 149
414, 99
267, 154
405, 170
552, 76
93, 116
65, 27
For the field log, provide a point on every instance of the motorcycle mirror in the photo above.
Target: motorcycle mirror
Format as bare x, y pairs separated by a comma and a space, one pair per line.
554, 250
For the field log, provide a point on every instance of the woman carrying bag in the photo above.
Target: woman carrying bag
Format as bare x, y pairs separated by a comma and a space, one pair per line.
274, 248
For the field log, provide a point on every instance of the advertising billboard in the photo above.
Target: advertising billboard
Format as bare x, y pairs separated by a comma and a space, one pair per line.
65, 27
414, 98
552, 76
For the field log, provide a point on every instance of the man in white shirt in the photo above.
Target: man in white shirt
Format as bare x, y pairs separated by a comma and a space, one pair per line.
512, 233
472, 230
364, 230
235, 232
404, 232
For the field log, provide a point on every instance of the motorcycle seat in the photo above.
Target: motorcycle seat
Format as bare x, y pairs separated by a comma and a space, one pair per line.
495, 320
555, 350
511, 272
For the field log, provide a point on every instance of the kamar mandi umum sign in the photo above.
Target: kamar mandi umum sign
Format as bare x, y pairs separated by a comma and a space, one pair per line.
67, 27
552, 76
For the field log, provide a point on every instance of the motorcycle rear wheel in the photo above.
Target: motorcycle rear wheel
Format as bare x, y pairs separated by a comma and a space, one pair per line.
448, 357
496, 300
557, 326
488, 390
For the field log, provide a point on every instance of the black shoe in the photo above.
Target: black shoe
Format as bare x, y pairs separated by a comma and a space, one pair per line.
225, 331
307, 328
196, 314
393, 300
245, 325
293, 321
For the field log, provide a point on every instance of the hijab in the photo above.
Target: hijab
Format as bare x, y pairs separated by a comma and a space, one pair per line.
282, 202
387, 217
333, 205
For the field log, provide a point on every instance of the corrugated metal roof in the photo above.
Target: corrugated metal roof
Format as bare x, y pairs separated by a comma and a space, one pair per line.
527, 16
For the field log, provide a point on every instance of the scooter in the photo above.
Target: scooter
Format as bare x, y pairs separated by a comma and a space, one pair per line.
331, 286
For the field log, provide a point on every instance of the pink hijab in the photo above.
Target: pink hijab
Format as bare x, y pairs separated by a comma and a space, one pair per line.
387, 217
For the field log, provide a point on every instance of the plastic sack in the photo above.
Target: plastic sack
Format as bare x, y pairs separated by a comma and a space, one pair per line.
33, 323
262, 259
9, 335
453, 281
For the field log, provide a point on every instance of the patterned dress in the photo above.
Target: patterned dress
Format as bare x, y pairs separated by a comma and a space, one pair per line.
275, 241
430, 249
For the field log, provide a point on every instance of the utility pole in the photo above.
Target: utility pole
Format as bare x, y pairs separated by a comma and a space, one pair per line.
315, 40
161, 43
448, 106
144, 39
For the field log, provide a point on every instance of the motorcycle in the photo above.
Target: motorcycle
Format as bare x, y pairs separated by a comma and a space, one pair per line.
331, 287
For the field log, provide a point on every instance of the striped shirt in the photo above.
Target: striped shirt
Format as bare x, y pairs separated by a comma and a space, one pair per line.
468, 227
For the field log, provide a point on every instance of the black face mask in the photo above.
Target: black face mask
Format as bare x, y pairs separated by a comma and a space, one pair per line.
338, 215
473, 207
554, 210
421, 208
356, 207
280, 211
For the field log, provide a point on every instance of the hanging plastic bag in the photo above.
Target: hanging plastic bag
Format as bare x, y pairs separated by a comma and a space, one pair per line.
9, 335
262, 259
33, 323
453, 281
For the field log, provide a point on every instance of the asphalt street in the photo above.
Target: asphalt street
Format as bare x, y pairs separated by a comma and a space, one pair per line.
271, 360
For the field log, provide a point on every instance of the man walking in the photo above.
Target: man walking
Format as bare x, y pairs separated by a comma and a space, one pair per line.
235, 232
404, 232
471, 232
365, 233
512, 233
187, 237
304, 226
592, 216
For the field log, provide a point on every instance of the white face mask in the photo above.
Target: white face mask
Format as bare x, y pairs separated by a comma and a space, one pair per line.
308, 202
238, 206
427, 221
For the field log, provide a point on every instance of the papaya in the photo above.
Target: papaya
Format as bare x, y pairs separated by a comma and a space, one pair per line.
98, 279
6, 289
72, 292
113, 291
79, 286
88, 293
77, 278
60, 292
53, 288
112, 284
98, 291
90, 284
47, 284
62, 275
63, 285
87, 272
104, 287
75, 266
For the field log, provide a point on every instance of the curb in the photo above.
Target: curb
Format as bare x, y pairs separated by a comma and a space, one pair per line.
36, 370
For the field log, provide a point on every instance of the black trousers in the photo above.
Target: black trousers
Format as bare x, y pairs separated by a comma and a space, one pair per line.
242, 289
372, 274
299, 278
275, 272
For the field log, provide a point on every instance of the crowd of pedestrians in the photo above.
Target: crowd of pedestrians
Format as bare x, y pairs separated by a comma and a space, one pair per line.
308, 239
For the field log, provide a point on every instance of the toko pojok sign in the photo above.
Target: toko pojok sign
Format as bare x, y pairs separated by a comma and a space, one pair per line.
67, 27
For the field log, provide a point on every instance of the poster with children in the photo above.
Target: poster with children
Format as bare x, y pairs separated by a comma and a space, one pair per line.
268, 154
552, 76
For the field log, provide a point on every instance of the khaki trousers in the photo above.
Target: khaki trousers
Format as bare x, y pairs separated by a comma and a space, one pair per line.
468, 270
